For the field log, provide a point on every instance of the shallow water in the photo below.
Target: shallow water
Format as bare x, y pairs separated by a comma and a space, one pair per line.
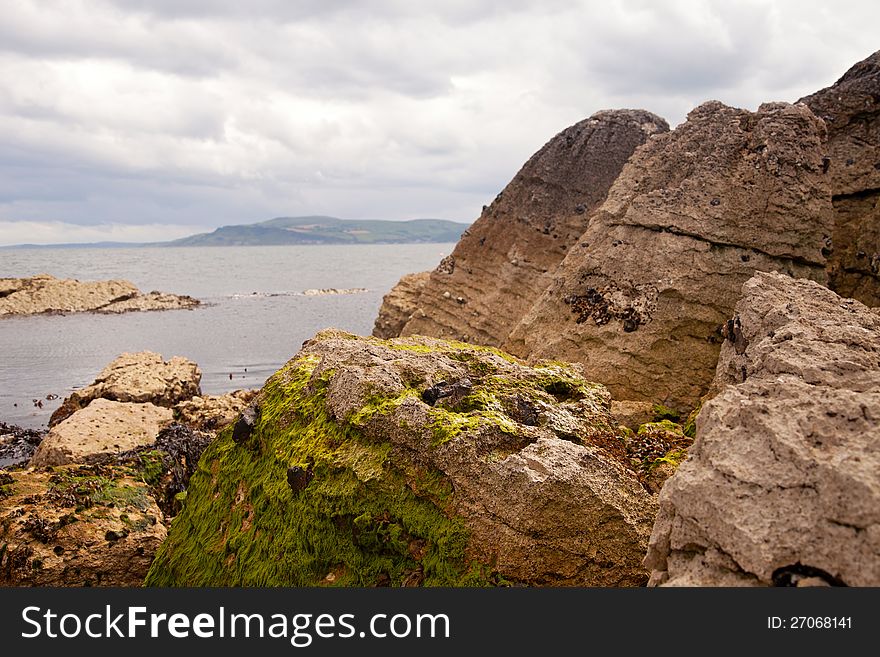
254, 317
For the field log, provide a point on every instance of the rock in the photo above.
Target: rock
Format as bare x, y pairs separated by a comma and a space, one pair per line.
632, 414
77, 526
332, 291
213, 412
783, 481
851, 111
167, 464
17, 444
99, 431
399, 305
348, 476
641, 298
507, 257
140, 377
47, 294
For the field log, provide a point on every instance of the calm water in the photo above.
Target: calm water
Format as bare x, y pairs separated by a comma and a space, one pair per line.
236, 330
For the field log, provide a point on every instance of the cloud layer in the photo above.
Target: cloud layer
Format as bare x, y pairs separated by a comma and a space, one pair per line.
170, 114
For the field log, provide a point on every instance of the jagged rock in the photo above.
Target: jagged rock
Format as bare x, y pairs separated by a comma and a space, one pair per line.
851, 111
507, 257
783, 482
46, 294
140, 377
101, 430
695, 212
213, 412
77, 526
349, 476
399, 305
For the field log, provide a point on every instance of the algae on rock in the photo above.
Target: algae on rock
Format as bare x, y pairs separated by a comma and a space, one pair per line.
413, 462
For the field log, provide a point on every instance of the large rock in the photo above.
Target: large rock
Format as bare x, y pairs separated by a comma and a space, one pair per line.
851, 110
399, 305
695, 212
507, 257
96, 433
141, 377
408, 462
77, 526
782, 485
47, 294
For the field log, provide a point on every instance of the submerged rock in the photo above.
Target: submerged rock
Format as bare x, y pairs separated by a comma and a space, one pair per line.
77, 526
140, 377
96, 433
47, 294
782, 485
851, 111
695, 212
349, 477
507, 257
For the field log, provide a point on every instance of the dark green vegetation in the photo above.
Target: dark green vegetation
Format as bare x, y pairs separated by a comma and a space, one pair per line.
327, 230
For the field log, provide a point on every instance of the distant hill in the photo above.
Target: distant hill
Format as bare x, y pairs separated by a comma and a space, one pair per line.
299, 230
327, 230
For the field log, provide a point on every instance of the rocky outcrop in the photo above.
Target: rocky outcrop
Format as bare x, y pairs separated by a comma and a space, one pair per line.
399, 305
213, 412
47, 294
851, 111
96, 433
695, 212
507, 257
413, 462
77, 526
140, 378
782, 485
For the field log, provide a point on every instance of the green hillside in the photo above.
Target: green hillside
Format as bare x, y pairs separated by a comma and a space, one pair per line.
327, 230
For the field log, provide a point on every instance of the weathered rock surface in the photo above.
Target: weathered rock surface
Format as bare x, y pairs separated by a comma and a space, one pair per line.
782, 485
641, 298
399, 305
77, 526
213, 412
409, 462
101, 430
632, 414
851, 111
47, 294
507, 257
141, 377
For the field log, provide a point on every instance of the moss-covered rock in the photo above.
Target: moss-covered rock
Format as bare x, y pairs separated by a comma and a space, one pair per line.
413, 462
77, 526
656, 450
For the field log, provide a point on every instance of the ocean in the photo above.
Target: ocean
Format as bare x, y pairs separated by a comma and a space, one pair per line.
253, 318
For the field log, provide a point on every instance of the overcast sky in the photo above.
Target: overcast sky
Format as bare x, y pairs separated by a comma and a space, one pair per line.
142, 120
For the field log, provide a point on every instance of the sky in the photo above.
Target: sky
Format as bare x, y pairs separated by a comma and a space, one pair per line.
137, 120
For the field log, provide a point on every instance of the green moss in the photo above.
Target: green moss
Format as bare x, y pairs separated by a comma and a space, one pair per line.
673, 457
149, 467
690, 425
661, 412
662, 425
359, 521
87, 486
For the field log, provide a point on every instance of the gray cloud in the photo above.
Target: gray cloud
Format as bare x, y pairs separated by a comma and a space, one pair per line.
199, 113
